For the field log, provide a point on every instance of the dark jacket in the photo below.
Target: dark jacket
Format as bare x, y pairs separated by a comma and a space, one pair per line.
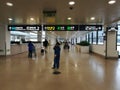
45, 43
30, 46
57, 50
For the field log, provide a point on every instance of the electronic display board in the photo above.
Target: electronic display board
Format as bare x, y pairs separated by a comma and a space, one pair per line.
90, 27
24, 27
60, 27
54, 27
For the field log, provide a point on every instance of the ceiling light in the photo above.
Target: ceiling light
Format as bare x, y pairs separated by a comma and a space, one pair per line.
92, 18
112, 2
31, 19
9, 4
71, 3
10, 19
69, 18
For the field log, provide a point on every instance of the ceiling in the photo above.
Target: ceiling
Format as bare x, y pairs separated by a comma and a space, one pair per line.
81, 12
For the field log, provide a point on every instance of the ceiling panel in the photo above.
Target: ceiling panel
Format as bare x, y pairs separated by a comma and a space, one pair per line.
22, 10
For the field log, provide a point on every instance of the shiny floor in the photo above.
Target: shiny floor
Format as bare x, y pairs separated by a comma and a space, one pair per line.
78, 72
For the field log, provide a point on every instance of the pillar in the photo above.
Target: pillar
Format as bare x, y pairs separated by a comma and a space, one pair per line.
111, 50
4, 40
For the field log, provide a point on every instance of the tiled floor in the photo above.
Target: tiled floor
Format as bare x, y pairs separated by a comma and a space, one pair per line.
78, 72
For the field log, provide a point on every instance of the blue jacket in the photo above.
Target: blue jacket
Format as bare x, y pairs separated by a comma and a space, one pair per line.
30, 46
57, 50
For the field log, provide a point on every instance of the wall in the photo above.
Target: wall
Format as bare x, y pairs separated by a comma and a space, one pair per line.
111, 51
20, 48
99, 49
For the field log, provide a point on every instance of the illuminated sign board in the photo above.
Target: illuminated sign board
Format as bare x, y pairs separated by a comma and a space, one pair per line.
24, 27
90, 27
60, 27
54, 27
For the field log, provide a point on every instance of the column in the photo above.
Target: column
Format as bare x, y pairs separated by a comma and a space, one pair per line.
4, 40
111, 51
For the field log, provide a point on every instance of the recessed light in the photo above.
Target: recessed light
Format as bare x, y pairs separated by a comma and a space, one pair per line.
112, 2
9, 4
71, 3
31, 19
92, 18
69, 18
10, 19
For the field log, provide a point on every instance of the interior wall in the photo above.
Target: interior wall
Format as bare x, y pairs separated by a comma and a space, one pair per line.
99, 49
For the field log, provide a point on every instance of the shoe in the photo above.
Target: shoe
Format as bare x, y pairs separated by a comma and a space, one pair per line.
57, 68
53, 67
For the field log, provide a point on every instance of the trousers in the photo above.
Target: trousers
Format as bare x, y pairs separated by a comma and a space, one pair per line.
56, 62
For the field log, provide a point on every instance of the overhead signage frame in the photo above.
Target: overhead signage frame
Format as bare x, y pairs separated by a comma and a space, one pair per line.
55, 27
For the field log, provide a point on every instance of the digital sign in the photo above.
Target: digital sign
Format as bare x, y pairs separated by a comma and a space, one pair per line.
24, 27
90, 27
55, 27
60, 27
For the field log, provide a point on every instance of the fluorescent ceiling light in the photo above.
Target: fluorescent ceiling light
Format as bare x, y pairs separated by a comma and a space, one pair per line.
92, 18
10, 19
71, 3
112, 2
9, 4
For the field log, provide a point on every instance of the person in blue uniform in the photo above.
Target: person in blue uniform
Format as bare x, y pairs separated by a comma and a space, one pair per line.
57, 50
30, 49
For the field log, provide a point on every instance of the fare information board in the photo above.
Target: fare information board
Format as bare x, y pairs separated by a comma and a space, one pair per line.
24, 27
60, 27
55, 27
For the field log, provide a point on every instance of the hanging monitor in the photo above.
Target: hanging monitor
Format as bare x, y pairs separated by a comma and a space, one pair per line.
90, 27
54, 27
24, 27
60, 27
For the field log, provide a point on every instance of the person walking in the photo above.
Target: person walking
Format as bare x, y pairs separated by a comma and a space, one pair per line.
30, 49
45, 44
57, 50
